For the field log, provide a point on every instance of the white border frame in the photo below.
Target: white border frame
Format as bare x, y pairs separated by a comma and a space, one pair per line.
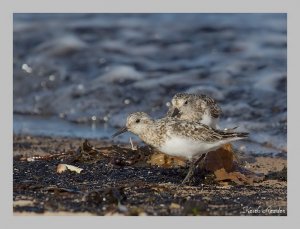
8, 7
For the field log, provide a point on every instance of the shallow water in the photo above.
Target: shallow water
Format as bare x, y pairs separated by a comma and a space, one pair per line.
80, 75
53, 126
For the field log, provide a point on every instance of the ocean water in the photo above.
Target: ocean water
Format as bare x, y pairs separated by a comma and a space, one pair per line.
80, 75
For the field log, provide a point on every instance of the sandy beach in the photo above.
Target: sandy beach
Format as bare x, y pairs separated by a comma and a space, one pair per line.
116, 180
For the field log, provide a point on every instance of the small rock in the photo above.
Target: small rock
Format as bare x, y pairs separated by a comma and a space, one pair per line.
221, 158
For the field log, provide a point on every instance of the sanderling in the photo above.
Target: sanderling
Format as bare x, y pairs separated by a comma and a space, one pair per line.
194, 107
182, 138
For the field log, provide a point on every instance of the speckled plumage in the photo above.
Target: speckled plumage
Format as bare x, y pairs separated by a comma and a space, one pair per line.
194, 107
179, 137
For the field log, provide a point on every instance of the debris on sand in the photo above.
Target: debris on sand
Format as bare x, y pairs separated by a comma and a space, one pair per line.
278, 175
236, 177
65, 167
165, 161
117, 180
174, 206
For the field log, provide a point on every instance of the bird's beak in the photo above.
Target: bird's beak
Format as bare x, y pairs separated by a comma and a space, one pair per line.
121, 131
175, 112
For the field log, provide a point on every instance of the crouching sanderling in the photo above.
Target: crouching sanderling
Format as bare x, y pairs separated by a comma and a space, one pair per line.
182, 138
194, 107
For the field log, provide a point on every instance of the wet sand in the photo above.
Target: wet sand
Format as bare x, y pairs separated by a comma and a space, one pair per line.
117, 180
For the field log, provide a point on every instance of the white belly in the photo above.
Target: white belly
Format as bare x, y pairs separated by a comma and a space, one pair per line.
187, 148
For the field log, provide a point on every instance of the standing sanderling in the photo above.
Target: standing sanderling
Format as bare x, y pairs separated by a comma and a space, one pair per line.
194, 107
182, 138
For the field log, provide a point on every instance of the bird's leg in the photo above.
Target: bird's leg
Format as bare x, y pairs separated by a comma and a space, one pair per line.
192, 169
189, 174
236, 157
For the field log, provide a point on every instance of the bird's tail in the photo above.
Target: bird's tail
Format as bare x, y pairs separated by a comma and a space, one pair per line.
233, 135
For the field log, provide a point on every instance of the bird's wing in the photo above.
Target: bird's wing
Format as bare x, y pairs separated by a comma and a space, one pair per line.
194, 130
201, 132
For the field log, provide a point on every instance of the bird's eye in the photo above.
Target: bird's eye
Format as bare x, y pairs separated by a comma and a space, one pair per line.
186, 102
137, 121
